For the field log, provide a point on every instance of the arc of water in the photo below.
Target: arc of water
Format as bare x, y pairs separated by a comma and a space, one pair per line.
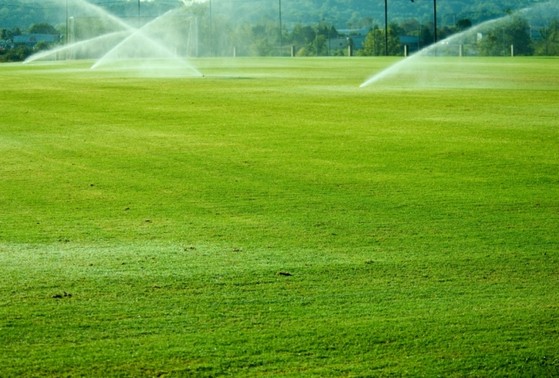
153, 44
84, 43
424, 52
148, 41
157, 48
397, 67
97, 10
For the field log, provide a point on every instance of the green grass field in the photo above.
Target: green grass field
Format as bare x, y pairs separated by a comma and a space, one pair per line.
274, 219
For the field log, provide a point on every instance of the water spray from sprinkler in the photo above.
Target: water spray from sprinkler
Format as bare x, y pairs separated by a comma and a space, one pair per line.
149, 50
416, 70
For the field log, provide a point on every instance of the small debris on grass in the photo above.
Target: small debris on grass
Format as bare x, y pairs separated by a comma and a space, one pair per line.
60, 296
285, 274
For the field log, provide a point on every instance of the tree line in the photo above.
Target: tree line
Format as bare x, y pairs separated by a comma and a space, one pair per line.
261, 34
345, 14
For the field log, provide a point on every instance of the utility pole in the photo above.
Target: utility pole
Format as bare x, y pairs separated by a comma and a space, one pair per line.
386, 27
280, 31
435, 37
211, 29
67, 25
435, 21
139, 9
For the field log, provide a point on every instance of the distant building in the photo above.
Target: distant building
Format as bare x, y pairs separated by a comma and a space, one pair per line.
412, 42
31, 40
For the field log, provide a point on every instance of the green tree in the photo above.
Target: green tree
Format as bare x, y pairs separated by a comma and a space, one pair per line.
16, 54
375, 41
549, 43
43, 28
312, 41
265, 39
519, 35
301, 35
515, 32
41, 46
463, 24
10, 34
426, 35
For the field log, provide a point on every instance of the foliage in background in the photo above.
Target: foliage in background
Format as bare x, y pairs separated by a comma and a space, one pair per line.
251, 28
515, 33
341, 13
550, 40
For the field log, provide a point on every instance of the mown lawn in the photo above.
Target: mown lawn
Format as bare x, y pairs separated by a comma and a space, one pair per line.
274, 219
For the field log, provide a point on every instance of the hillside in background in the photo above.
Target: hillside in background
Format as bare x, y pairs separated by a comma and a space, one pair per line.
281, 27
340, 13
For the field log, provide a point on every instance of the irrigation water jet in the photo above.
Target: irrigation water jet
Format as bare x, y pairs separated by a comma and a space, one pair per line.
148, 50
425, 68
80, 48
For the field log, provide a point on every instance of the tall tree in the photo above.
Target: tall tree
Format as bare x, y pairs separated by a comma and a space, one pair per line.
43, 28
375, 41
549, 43
515, 32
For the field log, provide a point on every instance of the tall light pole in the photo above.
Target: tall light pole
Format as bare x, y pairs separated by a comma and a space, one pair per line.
211, 29
138, 9
280, 26
434, 20
67, 24
386, 27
